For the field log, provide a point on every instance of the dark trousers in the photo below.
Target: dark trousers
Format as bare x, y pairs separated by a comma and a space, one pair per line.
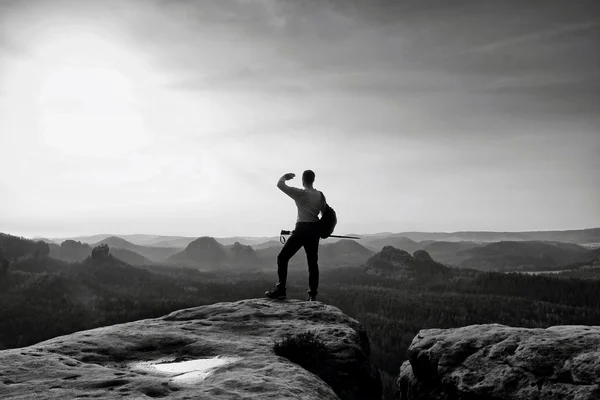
305, 235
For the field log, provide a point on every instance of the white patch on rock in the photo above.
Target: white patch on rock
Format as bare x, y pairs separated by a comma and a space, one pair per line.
192, 371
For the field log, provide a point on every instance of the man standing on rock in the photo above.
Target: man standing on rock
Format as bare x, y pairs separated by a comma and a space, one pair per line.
310, 203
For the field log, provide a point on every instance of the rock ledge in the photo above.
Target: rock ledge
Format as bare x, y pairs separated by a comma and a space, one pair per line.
104, 362
500, 362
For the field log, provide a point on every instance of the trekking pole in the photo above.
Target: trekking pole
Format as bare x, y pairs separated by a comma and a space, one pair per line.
282, 239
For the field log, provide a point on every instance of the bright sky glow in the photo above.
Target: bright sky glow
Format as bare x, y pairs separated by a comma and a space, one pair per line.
177, 118
87, 97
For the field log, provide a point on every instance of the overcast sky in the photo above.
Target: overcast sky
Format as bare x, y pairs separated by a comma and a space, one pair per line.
178, 117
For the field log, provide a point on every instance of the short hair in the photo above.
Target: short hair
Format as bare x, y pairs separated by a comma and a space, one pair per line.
308, 176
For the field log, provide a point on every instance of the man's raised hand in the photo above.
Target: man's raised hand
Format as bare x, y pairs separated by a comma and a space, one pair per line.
289, 176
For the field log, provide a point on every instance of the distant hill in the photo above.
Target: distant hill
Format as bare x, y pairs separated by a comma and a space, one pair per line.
249, 241
115, 241
401, 242
157, 240
42, 239
591, 257
268, 256
163, 240
579, 236
90, 239
15, 247
72, 251
156, 254
521, 256
270, 243
345, 251
450, 253
241, 255
203, 252
63, 297
130, 257
589, 261
178, 243
395, 263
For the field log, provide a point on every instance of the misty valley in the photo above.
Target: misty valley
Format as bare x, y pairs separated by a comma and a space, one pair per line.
393, 284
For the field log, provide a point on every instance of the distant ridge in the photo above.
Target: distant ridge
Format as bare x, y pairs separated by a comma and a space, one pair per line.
577, 236
344, 252
523, 255
156, 254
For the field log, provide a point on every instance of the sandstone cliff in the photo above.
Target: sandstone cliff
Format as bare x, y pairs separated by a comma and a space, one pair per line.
221, 351
500, 362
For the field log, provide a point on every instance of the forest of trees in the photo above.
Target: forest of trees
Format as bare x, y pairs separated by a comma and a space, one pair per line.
41, 298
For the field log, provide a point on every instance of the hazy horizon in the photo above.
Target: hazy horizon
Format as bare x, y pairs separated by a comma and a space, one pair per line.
277, 235
178, 118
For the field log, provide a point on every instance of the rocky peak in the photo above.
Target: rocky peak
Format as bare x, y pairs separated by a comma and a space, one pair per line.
205, 242
100, 252
221, 351
396, 256
71, 250
422, 255
242, 250
393, 262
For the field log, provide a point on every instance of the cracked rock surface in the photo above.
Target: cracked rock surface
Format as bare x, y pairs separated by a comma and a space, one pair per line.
500, 362
104, 362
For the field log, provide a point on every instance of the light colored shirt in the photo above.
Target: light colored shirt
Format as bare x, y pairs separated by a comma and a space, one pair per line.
308, 201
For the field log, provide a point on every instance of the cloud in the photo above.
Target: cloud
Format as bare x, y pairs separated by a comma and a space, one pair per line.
537, 36
377, 96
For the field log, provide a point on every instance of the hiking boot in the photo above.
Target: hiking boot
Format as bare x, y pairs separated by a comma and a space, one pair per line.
311, 298
276, 294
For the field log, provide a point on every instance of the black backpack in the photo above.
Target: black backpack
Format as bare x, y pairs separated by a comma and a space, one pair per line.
328, 220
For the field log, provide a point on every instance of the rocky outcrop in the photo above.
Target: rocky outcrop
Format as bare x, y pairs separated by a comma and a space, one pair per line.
221, 351
395, 263
500, 362
71, 250
242, 254
100, 252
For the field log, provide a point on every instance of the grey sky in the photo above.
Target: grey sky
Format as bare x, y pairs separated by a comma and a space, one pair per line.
178, 117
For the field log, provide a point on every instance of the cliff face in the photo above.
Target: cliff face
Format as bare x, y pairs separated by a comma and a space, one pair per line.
499, 362
221, 351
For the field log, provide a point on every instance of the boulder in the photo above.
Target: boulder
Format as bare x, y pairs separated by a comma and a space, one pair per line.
220, 351
500, 362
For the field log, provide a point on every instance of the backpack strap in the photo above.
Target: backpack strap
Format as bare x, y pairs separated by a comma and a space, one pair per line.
324, 201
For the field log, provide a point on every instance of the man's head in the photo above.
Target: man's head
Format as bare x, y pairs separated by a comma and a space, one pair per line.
308, 178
